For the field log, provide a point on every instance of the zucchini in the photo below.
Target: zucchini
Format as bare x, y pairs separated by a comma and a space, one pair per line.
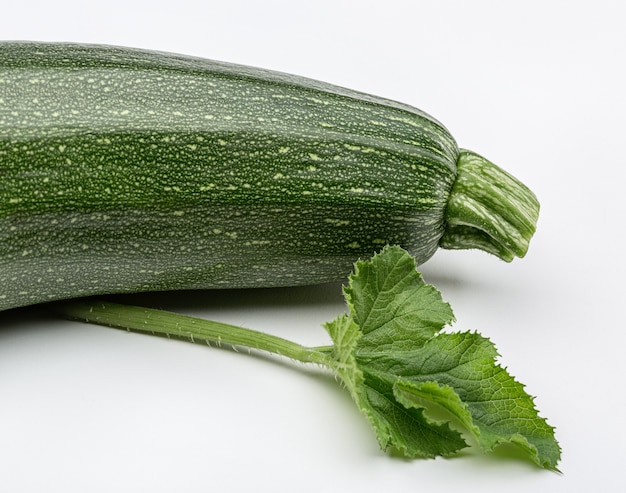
123, 170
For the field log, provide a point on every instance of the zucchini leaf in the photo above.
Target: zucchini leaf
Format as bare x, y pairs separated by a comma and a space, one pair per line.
424, 390
426, 393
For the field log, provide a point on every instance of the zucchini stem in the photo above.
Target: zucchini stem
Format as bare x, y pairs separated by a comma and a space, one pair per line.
489, 209
163, 323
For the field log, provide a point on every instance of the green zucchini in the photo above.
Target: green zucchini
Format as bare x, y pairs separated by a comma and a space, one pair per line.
123, 170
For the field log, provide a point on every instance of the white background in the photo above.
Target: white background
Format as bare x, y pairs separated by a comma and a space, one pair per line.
538, 87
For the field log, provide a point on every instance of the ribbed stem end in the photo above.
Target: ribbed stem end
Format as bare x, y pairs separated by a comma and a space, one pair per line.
489, 210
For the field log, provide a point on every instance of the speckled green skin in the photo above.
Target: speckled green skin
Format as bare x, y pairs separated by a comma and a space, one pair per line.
124, 170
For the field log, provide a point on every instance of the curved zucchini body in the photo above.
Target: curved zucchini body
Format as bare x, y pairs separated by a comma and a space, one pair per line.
124, 170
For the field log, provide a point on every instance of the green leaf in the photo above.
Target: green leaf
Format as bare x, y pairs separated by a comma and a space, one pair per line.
418, 386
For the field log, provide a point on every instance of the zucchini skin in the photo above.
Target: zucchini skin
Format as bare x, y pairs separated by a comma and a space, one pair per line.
124, 170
